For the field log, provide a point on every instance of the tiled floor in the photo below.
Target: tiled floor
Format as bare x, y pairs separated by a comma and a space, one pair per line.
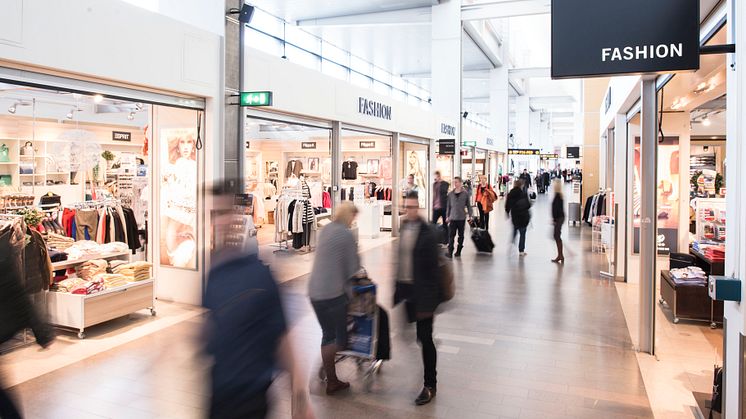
523, 338
685, 355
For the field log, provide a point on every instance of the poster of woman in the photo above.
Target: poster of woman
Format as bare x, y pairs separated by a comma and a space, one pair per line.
178, 239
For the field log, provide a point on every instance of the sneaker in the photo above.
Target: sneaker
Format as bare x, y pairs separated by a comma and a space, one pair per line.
426, 396
522, 254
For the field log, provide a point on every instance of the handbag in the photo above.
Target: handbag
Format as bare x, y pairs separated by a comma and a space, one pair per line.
448, 286
4, 154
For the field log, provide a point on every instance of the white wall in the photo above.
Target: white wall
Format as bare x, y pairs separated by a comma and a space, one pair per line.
306, 92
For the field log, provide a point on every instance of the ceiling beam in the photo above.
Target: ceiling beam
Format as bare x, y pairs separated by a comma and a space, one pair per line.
406, 16
529, 72
501, 9
476, 74
482, 44
477, 99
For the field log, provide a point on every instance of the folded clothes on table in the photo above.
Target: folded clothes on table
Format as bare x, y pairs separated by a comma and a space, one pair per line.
91, 269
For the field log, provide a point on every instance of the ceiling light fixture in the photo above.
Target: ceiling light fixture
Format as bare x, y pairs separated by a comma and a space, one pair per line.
706, 121
131, 116
98, 98
12, 108
71, 113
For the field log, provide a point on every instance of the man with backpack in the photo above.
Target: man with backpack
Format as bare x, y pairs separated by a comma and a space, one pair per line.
419, 284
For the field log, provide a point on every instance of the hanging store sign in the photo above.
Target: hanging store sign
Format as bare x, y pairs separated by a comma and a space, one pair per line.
121, 136
524, 151
573, 152
447, 147
308, 145
552, 156
468, 144
374, 109
256, 98
447, 129
603, 38
367, 144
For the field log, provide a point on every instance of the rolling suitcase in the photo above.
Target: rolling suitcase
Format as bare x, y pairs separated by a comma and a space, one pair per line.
442, 230
482, 240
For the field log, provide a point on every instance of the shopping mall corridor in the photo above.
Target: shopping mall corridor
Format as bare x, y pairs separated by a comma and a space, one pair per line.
523, 338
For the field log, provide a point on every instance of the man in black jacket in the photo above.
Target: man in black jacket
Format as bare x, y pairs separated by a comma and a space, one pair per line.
526, 178
440, 196
517, 206
418, 284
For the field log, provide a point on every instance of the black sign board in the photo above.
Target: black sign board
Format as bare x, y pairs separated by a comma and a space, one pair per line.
367, 144
608, 37
121, 136
524, 151
447, 147
308, 145
573, 152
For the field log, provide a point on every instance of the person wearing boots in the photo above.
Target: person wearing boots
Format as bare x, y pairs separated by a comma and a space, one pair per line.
558, 216
336, 262
458, 211
485, 198
419, 286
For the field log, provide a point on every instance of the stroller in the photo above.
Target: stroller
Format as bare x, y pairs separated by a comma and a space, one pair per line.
369, 342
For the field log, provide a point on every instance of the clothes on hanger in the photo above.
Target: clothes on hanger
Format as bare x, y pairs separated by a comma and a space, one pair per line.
294, 168
349, 170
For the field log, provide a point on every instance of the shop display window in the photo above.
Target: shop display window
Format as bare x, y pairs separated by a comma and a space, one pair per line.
415, 164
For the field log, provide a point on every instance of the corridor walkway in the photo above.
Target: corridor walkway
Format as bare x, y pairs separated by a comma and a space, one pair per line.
524, 338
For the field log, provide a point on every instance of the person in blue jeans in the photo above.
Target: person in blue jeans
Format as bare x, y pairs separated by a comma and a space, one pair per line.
517, 207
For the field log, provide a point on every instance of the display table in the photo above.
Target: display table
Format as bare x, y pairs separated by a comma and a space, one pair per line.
692, 301
78, 312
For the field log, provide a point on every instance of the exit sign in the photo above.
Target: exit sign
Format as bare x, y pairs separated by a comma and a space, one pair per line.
256, 98
468, 144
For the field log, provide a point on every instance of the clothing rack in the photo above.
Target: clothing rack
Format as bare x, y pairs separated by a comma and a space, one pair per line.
24, 338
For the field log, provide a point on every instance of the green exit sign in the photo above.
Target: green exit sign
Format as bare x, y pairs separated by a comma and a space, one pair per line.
256, 98
468, 144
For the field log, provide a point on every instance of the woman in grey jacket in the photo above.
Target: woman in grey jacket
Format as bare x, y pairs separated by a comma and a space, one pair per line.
335, 263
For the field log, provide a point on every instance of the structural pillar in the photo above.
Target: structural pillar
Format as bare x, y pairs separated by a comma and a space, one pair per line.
232, 151
395, 181
336, 150
648, 214
446, 68
522, 134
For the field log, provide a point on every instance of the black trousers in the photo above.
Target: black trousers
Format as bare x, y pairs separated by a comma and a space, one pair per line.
429, 354
228, 405
438, 214
484, 217
456, 226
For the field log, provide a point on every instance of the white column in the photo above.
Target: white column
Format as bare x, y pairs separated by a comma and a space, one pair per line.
735, 245
446, 68
500, 107
620, 192
522, 121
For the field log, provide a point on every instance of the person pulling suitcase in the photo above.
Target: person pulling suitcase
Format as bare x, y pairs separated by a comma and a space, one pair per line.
458, 211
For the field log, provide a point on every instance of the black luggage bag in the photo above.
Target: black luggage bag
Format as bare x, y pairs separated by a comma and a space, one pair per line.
482, 240
442, 230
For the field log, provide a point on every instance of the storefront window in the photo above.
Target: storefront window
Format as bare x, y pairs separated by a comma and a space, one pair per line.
286, 163
415, 170
367, 172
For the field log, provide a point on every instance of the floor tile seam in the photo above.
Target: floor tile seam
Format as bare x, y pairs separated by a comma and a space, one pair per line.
182, 318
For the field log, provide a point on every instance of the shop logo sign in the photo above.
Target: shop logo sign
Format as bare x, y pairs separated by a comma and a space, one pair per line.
121, 136
308, 145
447, 129
606, 38
490, 141
374, 109
367, 144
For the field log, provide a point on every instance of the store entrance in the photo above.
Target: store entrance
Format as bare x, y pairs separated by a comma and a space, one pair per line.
288, 174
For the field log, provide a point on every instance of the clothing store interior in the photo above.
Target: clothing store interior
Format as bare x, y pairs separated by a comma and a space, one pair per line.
288, 173
691, 194
76, 177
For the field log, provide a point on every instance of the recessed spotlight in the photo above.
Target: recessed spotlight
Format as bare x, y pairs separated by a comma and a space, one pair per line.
98, 98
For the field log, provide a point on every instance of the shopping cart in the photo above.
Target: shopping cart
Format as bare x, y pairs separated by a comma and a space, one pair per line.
363, 323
